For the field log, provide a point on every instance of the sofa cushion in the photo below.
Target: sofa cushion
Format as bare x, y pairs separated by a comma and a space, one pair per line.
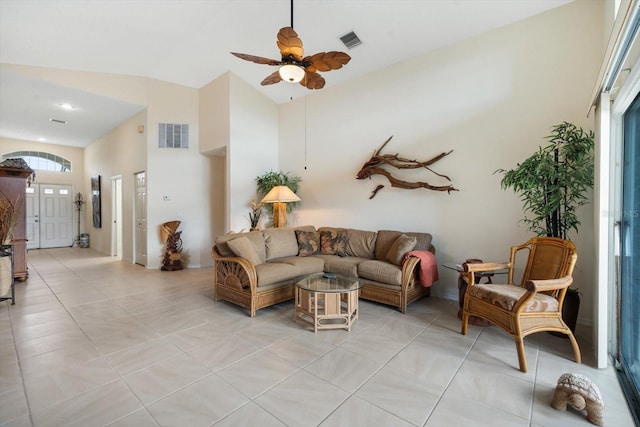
361, 243
274, 272
380, 271
400, 247
255, 237
333, 242
344, 266
280, 242
308, 242
386, 238
304, 265
243, 248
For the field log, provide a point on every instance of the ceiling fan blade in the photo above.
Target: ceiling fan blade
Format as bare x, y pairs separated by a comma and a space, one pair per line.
312, 80
257, 59
272, 78
327, 61
290, 44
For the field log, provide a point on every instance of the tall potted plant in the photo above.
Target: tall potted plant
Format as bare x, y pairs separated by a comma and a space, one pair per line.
552, 183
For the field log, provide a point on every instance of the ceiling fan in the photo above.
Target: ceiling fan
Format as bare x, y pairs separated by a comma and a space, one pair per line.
294, 67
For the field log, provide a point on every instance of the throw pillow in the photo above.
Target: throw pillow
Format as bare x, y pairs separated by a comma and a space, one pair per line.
400, 247
333, 242
243, 248
280, 243
308, 242
361, 243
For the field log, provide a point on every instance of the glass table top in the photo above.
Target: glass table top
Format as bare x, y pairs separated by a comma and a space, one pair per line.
329, 283
459, 268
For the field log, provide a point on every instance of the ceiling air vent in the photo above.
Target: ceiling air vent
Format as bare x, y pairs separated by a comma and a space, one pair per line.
350, 40
172, 135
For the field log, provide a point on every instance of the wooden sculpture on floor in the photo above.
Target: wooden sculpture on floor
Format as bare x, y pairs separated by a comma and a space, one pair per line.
172, 259
374, 166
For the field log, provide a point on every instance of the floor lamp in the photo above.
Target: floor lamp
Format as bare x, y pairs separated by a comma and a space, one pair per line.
280, 195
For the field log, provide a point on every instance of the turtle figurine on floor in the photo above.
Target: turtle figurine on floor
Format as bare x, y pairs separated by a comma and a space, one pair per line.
581, 393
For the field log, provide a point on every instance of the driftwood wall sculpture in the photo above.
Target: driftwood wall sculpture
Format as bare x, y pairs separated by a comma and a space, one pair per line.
374, 166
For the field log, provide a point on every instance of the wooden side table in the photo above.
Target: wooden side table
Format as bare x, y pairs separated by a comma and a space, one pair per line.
463, 283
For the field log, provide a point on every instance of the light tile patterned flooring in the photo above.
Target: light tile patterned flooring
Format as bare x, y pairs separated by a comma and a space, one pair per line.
93, 342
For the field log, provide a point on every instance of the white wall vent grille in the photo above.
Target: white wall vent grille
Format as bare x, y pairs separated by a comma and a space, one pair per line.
171, 135
350, 40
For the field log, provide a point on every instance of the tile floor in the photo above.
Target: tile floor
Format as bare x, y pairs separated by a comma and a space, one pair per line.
94, 342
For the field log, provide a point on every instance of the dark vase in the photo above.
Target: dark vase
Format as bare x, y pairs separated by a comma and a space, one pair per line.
570, 310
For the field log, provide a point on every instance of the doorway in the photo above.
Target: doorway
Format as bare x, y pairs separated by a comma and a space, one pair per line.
116, 215
33, 217
49, 216
140, 213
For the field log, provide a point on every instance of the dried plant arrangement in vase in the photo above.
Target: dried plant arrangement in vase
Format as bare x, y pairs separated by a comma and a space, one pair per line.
10, 211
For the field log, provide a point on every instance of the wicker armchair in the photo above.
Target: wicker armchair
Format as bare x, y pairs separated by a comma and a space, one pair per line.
533, 306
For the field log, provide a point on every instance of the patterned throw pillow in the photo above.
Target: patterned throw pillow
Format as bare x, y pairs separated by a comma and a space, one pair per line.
308, 242
333, 242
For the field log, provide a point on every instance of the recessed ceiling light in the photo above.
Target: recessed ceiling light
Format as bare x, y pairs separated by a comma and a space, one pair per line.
66, 106
64, 122
41, 139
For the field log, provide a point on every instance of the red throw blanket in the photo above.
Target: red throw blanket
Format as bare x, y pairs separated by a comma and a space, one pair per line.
428, 269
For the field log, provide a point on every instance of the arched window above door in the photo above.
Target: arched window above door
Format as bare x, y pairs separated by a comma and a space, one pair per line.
39, 160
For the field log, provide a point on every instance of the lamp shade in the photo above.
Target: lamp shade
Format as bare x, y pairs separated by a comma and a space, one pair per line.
291, 73
280, 193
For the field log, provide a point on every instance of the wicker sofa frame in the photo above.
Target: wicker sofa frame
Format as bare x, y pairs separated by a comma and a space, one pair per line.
236, 282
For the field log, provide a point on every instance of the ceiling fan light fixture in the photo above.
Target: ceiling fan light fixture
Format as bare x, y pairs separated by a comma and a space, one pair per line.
291, 73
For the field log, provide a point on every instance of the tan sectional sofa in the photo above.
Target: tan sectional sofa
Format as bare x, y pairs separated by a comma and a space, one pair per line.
259, 268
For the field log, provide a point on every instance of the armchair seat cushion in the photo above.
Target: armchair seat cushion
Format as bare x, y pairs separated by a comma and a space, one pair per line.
506, 296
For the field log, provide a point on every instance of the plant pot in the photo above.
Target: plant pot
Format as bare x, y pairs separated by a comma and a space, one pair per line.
570, 310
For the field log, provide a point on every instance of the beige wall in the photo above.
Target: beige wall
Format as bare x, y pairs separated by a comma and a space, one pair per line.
121, 152
491, 100
253, 148
74, 154
75, 178
240, 125
176, 173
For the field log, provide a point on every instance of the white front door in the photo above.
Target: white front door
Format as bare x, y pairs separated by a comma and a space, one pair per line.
116, 214
56, 216
33, 216
141, 219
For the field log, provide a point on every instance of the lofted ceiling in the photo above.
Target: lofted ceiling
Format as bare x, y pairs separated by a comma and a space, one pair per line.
188, 42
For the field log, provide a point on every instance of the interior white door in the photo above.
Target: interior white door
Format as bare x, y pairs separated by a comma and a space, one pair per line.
116, 214
56, 216
33, 216
141, 219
